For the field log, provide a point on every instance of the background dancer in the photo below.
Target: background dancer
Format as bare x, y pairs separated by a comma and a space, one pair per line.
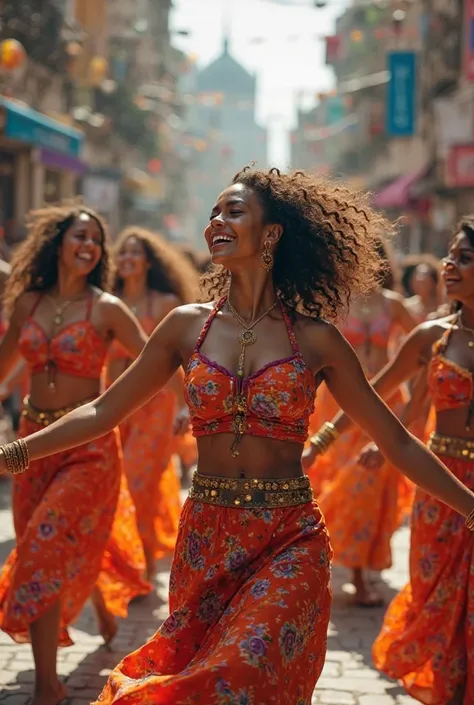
363, 510
62, 323
249, 591
152, 279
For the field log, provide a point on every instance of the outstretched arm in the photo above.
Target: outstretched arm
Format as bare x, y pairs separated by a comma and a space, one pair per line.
158, 361
349, 386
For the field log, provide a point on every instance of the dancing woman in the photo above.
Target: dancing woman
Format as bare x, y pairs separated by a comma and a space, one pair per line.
152, 279
249, 589
62, 322
362, 510
427, 640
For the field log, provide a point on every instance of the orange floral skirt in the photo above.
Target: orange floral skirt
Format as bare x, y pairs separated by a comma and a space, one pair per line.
249, 602
148, 447
63, 510
427, 638
363, 507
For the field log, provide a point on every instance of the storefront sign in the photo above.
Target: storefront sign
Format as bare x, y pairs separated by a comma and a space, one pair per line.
26, 125
460, 166
401, 94
469, 40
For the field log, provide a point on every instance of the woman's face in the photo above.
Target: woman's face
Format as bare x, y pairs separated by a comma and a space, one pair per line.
82, 246
131, 259
458, 270
422, 281
236, 230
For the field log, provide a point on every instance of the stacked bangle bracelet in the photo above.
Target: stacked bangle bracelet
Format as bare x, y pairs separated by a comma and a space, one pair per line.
470, 521
17, 458
326, 435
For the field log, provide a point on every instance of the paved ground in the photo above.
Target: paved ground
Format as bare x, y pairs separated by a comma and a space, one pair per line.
348, 678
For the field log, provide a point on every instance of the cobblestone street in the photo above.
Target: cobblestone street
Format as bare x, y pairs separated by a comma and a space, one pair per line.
348, 679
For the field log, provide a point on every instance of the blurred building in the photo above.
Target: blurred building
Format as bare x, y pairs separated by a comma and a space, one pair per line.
400, 121
94, 109
223, 134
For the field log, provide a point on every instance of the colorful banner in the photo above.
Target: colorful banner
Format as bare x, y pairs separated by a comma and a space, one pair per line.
401, 94
469, 40
460, 166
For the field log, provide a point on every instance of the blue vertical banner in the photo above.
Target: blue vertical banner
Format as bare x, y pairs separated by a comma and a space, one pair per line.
401, 94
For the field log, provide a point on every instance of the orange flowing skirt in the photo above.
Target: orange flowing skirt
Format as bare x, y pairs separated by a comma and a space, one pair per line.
427, 638
148, 447
363, 507
249, 602
63, 510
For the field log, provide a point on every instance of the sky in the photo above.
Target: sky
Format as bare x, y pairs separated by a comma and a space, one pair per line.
279, 40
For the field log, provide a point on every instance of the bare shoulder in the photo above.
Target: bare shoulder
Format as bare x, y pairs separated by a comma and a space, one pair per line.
25, 305
393, 296
317, 339
161, 304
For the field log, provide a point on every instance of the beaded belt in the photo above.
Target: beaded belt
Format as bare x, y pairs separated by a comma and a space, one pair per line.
47, 417
246, 494
452, 447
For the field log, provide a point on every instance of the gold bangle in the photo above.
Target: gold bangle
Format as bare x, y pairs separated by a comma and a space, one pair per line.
330, 430
470, 521
17, 459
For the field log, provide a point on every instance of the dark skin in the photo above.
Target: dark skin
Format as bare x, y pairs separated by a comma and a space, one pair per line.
415, 353
239, 214
79, 253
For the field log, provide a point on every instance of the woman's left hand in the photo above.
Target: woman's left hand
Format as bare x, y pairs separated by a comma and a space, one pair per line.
370, 457
181, 421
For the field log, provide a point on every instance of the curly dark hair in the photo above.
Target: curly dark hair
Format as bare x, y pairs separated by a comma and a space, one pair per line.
329, 250
170, 272
411, 262
35, 262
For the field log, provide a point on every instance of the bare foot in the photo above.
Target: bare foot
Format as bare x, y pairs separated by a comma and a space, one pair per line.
365, 594
51, 695
106, 620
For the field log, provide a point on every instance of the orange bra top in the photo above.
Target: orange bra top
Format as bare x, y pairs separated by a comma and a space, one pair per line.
375, 333
450, 385
77, 349
278, 398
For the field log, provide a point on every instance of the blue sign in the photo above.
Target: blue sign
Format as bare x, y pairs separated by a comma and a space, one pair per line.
401, 94
27, 125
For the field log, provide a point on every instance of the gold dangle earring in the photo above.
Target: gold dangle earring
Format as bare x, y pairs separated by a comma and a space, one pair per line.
267, 258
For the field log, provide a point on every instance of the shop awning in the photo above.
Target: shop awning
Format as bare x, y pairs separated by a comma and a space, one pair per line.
24, 124
397, 194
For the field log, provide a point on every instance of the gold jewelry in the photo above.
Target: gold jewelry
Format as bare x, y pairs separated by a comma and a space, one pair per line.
470, 521
17, 457
246, 337
266, 257
325, 437
58, 319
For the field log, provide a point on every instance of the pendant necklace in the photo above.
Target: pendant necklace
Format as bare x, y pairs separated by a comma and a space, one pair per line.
58, 320
246, 337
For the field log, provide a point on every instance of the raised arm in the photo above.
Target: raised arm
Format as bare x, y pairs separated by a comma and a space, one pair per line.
349, 386
158, 361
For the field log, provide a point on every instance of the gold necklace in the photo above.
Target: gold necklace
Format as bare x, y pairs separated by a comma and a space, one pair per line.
461, 326
58, 318
246, 337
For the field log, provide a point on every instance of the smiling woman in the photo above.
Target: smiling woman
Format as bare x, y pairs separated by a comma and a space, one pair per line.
62, 321
249, 589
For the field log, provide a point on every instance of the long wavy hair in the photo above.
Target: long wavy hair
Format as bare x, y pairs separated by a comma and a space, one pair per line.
170, 271
329, 249
34, 266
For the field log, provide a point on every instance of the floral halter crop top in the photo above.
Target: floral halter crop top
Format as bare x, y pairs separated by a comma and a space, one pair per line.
276, 401
77, 349
450, 385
